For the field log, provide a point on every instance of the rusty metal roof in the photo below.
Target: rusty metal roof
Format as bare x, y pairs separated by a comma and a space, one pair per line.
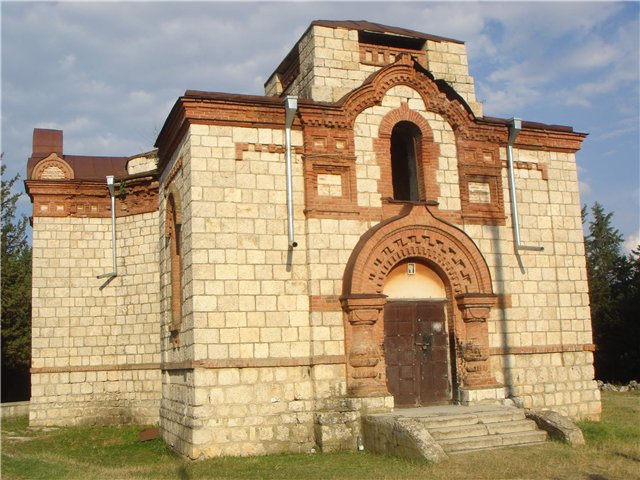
364, 26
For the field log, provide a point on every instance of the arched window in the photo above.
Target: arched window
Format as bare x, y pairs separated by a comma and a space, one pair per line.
405, 162
175, 267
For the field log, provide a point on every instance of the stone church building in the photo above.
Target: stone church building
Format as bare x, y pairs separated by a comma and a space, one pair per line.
360, 237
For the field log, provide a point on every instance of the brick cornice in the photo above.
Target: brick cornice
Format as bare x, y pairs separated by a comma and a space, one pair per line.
534, 136
212, 108
549, 140
217, 109
82, 198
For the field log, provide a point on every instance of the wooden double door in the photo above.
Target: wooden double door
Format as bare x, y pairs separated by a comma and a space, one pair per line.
416, 346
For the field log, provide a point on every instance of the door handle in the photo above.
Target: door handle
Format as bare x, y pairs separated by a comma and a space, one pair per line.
426, 344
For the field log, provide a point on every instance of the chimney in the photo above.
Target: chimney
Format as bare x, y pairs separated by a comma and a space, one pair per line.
46, 141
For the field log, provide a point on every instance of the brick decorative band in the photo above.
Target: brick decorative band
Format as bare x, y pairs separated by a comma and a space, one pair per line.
97, 368
256, 362
324, 303
540, 167
262, 147
542, 349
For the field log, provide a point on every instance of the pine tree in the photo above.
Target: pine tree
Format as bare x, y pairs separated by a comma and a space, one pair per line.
15, 255
613, 285
624, 333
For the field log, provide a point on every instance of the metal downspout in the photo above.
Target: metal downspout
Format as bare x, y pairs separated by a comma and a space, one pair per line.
514, 129
114, 272
290, 107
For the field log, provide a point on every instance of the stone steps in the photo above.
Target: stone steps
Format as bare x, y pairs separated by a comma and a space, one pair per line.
483, 430
480, 429
462, 419
515, 439
435, 432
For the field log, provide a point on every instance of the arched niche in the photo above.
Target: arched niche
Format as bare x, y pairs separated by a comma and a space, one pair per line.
411, 279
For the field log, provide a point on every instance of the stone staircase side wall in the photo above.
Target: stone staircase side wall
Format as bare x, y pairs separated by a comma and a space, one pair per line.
401, 437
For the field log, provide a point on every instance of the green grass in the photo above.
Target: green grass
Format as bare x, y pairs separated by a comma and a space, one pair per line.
112, 453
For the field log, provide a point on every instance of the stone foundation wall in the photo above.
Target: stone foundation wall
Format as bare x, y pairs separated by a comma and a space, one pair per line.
562, 382
254, 410
95, 351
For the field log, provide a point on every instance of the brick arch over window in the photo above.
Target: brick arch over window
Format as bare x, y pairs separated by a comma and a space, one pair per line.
427, 153
437, 95
415, 234
173, 224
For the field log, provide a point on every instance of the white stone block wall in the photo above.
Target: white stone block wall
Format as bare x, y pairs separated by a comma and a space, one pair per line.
177, 385
549, 302
330, 67
250, 297
242, 381
95, 352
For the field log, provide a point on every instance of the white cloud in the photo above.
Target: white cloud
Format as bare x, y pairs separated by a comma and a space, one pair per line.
585, 188
597, 53
632, 242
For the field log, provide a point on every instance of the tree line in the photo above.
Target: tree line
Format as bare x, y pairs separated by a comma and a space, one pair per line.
614, 295
614, 286
15, 284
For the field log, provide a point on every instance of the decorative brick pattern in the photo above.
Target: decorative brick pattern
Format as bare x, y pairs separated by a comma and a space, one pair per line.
381, 55
52, 168
449, 252
76, 198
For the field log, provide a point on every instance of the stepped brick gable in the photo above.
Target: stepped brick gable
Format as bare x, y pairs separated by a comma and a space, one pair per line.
404, 288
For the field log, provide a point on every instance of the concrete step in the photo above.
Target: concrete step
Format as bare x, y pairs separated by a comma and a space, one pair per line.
461, 445
434, 432
465, 431
480, 429
478, 417
505, 415
441, 421
514, 426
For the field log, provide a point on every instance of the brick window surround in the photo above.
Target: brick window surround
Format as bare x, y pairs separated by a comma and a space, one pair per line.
427, 152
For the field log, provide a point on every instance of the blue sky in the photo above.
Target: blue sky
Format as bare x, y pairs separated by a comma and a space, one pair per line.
108, 73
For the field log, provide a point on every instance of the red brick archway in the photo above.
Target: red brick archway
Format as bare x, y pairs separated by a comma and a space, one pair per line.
454, 256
